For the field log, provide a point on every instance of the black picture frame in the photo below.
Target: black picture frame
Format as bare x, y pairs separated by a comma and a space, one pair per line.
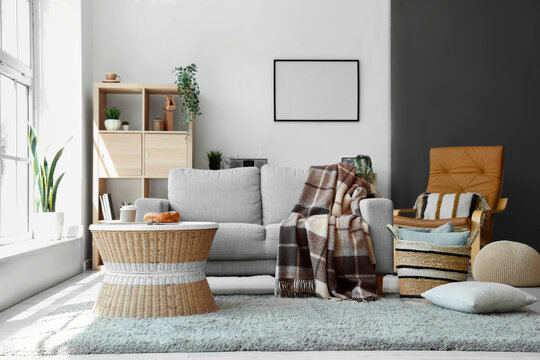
321, 60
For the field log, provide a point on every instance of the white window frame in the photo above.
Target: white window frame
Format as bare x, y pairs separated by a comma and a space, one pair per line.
20, 72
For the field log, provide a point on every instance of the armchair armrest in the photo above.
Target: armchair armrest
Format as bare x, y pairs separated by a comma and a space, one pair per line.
478, 221
398, 212
150, 205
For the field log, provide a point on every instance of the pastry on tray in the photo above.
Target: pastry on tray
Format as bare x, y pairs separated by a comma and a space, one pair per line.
162, 218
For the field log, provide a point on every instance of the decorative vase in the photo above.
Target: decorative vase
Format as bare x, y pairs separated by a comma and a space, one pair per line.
214, 166
169, 120
113, 124
48, 225
125, 127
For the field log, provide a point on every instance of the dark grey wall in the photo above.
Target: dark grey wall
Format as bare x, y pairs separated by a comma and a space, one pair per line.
468, 73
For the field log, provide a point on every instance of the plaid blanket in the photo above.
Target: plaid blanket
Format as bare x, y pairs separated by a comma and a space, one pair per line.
324, 245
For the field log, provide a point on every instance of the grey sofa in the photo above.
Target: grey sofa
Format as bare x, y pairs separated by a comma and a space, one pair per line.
249, 205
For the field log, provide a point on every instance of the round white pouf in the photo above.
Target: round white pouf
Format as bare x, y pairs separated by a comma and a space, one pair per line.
508, 262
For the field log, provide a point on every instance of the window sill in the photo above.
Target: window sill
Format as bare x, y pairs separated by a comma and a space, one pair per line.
25, 246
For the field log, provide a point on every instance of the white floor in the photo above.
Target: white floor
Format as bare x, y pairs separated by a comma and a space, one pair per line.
85, 287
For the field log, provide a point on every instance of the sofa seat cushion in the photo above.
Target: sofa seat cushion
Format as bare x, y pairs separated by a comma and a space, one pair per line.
223, 196
281, 188
235, 241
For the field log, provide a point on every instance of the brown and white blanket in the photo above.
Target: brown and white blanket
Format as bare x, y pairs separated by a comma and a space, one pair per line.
324, 245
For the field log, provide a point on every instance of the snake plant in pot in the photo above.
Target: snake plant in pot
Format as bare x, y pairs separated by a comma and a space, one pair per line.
47, 223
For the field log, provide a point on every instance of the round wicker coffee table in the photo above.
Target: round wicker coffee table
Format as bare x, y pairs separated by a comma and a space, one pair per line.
154, 270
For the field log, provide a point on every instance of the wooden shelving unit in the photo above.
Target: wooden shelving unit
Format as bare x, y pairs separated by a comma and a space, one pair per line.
136, 154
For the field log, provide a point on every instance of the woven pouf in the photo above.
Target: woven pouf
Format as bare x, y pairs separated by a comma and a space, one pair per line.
508, 262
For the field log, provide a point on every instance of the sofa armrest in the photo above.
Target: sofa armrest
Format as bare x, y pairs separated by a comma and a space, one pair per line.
378, 213
150, 205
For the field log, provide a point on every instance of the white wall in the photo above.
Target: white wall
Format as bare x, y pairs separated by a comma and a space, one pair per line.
58, 100
234, 43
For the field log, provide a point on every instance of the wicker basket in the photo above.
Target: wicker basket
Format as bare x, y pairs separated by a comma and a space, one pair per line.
422, 266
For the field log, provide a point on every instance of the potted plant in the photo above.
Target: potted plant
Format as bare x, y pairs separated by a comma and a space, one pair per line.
364, 168
125, 125
47, 222
215, 157
113, 115
188, 89
157, 124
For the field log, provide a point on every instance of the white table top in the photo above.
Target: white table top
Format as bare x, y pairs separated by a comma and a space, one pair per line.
182, 225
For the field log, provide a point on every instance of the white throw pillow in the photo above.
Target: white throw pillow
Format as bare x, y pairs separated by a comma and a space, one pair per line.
479, 297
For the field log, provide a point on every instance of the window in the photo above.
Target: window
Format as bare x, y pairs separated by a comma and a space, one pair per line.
16, 82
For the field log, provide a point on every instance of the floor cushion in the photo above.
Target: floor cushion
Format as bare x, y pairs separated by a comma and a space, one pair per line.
479, 297
508, 262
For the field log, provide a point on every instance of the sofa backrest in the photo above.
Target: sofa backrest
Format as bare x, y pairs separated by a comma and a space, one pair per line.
281, 188
226, 196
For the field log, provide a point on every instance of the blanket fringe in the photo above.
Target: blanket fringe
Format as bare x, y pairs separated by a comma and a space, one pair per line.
294, 287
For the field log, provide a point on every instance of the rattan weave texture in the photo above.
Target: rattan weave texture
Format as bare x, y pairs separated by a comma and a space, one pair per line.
154, 273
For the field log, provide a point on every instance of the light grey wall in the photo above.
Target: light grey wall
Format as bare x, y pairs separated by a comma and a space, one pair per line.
234, 44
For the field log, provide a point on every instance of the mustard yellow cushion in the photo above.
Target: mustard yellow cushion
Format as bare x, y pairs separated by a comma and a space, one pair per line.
508, 262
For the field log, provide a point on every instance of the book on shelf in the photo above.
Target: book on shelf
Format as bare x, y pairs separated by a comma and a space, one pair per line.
106, 206
110, 204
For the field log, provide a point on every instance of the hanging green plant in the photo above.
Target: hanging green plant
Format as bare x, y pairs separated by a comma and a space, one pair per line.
364, 168
188, 89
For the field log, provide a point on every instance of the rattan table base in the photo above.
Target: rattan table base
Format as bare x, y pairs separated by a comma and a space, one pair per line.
154, 273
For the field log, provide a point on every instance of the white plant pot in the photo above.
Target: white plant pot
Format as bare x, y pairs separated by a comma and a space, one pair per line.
48, 225
113, 124
125, 127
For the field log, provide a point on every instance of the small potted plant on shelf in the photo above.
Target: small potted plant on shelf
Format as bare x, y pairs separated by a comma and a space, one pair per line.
215, 158
113, 115
47, 222
188, 89
125, 125
157, 124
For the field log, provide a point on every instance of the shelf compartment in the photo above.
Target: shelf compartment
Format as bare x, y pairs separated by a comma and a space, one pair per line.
119, 155
163, 152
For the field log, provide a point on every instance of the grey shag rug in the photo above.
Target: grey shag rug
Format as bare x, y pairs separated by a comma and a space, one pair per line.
265, 323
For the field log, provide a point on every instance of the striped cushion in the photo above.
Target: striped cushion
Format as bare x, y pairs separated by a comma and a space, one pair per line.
434, 206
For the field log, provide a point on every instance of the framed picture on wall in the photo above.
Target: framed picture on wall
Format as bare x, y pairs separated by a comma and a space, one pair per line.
316, 90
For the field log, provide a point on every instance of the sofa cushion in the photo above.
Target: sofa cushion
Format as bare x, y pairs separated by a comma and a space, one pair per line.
281, 188
234, 241
223, 196
272, 241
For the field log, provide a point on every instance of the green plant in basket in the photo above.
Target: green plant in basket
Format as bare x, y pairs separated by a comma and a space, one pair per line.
364, 168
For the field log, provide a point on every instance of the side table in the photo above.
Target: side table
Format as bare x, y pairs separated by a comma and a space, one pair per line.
154, 270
